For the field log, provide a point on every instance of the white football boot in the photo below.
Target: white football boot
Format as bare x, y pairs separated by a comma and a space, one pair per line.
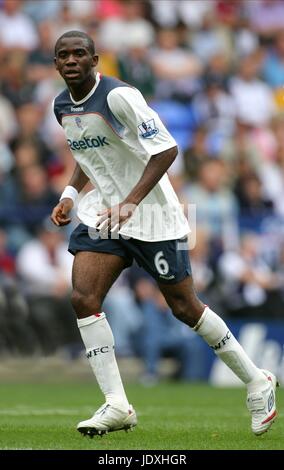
107, 419
262, 404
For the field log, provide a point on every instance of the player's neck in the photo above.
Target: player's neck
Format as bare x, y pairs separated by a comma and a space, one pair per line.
81, 90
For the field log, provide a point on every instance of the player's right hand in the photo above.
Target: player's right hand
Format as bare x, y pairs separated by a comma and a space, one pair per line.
60, 214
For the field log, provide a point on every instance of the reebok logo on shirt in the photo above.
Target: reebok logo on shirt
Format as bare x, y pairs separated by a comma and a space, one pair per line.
87, 143
78, 109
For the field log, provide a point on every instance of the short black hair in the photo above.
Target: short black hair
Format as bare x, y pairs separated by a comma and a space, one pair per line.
77, 34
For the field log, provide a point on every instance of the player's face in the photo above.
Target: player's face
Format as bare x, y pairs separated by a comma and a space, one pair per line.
74, 61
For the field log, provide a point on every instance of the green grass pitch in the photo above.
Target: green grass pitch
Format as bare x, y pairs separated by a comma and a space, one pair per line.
171, 416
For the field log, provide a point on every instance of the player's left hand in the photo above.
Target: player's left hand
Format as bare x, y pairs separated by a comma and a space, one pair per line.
110, 220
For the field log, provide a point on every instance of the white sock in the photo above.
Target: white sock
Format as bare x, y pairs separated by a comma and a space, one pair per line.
99, 342
216, 333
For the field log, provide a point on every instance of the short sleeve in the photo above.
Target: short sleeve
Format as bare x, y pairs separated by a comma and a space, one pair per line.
130, 108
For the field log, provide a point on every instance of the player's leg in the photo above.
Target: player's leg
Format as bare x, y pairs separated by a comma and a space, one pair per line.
261, 385
93, 275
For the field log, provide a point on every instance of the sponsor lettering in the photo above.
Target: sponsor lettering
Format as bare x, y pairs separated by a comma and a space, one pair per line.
223, 341
96, 351
77, 110
87, 142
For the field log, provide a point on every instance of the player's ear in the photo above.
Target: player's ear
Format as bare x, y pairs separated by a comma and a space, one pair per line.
55, 63
95, 60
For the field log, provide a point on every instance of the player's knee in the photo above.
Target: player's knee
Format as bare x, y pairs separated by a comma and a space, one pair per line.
84, 304
187, 312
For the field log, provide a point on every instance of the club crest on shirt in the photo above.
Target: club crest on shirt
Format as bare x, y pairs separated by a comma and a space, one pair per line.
148, 129
79, 122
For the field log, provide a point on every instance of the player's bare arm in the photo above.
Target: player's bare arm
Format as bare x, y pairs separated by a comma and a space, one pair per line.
60, 214
153, 172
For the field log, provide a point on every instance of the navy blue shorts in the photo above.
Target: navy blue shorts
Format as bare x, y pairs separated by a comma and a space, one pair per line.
166, 261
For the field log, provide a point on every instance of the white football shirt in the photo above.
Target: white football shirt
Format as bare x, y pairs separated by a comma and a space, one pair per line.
112, 134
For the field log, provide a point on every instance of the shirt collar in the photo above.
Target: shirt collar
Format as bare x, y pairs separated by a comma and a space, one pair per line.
98, 79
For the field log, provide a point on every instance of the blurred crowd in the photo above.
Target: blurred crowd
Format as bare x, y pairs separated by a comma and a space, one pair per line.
214, 71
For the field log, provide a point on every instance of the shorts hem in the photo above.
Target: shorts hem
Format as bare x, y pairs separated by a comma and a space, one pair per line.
74, 251
175, 280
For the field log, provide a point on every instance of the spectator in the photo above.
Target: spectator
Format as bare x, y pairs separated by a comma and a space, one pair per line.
196, 153
273, 68
47, 281
25, 201
210, 39
29, 119
16, 28
215, 108
7, 261
127, 30
177, 71
265, 17
247, 280
14, 84
253, 98
40, 60
254, 207
216, 204
169, 14
17, 335
135, 69
124, 316
199, 259
8, 122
